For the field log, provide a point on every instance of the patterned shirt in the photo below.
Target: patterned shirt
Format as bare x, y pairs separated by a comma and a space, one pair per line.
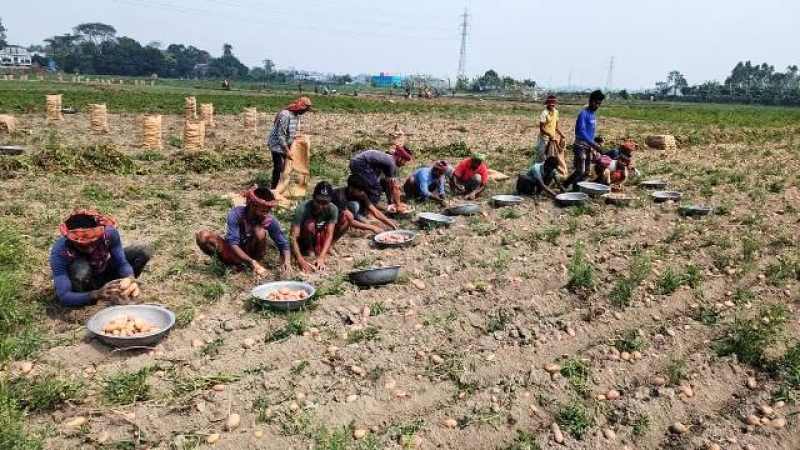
240, 229
283, 131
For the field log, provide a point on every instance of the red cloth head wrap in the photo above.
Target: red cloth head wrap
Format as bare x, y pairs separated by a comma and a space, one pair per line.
84, 236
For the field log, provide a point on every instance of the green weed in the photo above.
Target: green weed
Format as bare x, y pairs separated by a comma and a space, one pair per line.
498, 321
629, 341
749, 337
581, 272
365, 335
127, 388
577, 374
46, 393
295, 325
640, 425
214, 348
574, 419
524, 441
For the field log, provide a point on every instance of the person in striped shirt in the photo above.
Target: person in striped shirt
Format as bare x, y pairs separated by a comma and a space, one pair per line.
284, 130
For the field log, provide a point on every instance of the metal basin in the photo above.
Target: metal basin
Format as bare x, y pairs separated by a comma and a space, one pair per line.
571, 198
158, 316
410, 238
695, 210
261, 293
593, 189
433, 220
468, 209
375, 276
663, 196
617, 199
506, 200
654, 184
11, 150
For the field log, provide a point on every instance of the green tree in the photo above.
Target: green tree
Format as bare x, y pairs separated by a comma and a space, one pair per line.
228, 66
95, 32
677, 82
3, 42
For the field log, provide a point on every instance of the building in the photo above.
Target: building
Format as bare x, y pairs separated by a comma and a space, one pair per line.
386, 80
14, 56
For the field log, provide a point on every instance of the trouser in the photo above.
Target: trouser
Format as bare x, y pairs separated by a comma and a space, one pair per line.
582, 165
541, 150
472, 183
84, 279
355, 208
312, 237
278, 164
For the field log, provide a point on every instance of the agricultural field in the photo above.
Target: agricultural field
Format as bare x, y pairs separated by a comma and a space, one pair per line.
627, 328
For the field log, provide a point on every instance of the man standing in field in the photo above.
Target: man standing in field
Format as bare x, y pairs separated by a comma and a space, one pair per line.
380, 170
549, 131
585, 147
281, 137
470, 177
313, 227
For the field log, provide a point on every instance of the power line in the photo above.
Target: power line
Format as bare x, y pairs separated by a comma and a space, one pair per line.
610, 78
462, 61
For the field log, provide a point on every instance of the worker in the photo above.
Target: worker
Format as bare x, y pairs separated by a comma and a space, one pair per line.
427, 183
585, 146
281, 136
470, 177
380, 170
549, 131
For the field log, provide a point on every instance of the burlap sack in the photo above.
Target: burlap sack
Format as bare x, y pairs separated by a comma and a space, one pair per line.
8, 124
98, 116
190, 110
194, 135
251, 120
207, 114
151, 133
53, 107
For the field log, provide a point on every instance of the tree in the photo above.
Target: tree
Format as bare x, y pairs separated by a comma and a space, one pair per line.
677, 82
228, 66
3, 42
95, 32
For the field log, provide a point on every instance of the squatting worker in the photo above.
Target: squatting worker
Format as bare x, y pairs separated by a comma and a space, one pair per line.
379, 169
427, 183
614, 167
354, 207
284, 130
470, 177
88, 261
246, 239
538, 178
313, 227
585, 145
549, 131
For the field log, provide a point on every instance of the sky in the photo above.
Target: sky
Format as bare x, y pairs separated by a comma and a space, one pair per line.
550, 42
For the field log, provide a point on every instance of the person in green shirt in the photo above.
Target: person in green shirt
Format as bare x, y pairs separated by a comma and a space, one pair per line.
313, 228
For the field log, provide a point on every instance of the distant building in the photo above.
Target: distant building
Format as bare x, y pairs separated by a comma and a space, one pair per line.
386, 80
14, 56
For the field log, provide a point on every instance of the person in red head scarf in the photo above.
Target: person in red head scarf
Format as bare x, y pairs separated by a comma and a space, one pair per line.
88, 262
280, 138
380, 170
428, 183
245, 242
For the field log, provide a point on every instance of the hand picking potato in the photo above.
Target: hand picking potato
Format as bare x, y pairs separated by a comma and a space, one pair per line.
286, 294
128, 327
129, 288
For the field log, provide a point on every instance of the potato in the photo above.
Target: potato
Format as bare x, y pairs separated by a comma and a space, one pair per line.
284, 291
127, 292
125, 283
136, 292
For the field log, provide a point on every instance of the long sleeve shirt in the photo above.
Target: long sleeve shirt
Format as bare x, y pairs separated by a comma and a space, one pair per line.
586, 126
283, 132
423, 178
239, 229
62, 255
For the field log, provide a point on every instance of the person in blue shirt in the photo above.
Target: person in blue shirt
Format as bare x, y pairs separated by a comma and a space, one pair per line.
427, 183
88, 261
538, 178
585, 146
246, 239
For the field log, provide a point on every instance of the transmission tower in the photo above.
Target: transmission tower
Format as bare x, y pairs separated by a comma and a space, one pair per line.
462, 62
610, 79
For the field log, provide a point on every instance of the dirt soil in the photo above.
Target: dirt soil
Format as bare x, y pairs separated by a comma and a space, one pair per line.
481, 309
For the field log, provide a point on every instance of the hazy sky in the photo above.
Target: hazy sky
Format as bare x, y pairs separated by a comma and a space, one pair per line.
544, 41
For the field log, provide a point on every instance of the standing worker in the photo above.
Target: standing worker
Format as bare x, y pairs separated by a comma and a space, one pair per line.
281, 137
585, 146
549, 131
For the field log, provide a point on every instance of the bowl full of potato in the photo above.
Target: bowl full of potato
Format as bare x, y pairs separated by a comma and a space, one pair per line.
284, 295
131, 325
395, 238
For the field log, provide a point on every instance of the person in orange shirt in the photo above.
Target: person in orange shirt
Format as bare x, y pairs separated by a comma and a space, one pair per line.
470, 177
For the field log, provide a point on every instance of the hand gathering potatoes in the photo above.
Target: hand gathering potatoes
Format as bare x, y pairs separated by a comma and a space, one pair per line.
286, 294
129, 288
129, 326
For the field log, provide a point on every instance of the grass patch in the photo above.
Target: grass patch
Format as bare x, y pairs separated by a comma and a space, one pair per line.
581, 272
190, 385
296, 324
47, 393
524, 441
629, 341
640, 425
789, 366
574, 419
127, 388
365, 335
749, 337
671, 280
498, 321
13, 433
577, 374
622, 292
212, 349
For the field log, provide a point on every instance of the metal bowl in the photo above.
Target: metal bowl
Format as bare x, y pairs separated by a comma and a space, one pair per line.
694, 210
467, 209
11, 150
261, 293
663, 196
617, 199
654, 184
433, 220
375, 276
571, 198
593, 189
159, 316
506, 200
378, 239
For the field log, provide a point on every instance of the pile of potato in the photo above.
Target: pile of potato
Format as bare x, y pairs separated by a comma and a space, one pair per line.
287, 295
129, 288
394, 239
128, 327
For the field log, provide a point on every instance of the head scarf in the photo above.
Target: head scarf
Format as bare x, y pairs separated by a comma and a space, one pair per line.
301, 104
252, 199
84, 236
440, 166
479, 156
403, 152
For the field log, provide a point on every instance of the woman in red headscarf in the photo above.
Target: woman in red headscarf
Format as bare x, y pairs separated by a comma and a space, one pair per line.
88, 261
246, 239
284, 130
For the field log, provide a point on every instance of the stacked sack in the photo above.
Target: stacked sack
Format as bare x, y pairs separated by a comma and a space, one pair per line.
53, 107
251, 120
151, 133
194, 135
99, 118
661, 142
207, 114
190, 110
